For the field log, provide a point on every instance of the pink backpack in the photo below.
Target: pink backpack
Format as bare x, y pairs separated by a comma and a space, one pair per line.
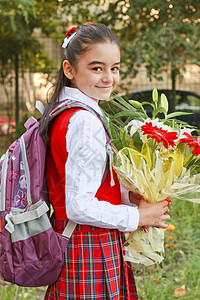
31, 252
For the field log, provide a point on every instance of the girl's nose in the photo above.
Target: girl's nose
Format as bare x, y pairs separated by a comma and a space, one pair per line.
107, 77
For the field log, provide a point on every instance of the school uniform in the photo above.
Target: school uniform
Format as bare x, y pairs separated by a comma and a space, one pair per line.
94, 266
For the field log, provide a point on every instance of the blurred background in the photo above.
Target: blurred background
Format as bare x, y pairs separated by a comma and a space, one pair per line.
159, 41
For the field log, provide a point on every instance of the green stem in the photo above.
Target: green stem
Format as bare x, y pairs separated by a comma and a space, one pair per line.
144, 111
173, 124
189, 161
153, 142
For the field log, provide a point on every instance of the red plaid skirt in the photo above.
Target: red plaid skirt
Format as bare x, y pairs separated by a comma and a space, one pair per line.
94, 267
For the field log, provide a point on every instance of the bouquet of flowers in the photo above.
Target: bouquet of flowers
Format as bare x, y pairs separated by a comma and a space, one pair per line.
156, 157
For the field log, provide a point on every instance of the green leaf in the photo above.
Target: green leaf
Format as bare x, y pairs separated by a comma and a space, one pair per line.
112, 131
164, 102
117, 143
155, 95
124, 102
178, 113
148, 103
116, 104
107, 123
158, 110
125, 139
129, 113
119, 122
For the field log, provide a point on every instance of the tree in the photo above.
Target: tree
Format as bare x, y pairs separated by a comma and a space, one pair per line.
19, 47
161, 34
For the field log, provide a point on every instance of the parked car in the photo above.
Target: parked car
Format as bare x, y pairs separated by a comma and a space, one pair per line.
185, 101
7, 125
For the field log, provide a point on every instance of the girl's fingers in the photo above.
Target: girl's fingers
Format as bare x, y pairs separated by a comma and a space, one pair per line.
166, 217
163, 225
166, 203
166, 209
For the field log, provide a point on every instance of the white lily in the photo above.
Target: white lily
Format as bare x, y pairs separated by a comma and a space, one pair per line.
135, 124
181, 133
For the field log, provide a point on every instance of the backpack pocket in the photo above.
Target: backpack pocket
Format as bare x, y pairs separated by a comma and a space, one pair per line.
37, 250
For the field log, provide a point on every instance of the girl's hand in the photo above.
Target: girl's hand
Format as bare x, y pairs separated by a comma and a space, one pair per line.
153, 214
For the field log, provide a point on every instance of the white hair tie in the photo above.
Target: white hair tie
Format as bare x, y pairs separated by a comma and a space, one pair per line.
68, 39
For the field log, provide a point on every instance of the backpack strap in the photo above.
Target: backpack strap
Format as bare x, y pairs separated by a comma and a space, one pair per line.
69, 229
67, 104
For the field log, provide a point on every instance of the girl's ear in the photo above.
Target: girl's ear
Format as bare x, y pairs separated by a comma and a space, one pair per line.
68, 69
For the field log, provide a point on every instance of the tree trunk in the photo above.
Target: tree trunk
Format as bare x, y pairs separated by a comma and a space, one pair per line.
16, 88
7, 105
173, 98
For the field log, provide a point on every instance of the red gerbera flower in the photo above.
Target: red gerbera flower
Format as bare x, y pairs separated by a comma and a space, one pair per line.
159, 134
191, 142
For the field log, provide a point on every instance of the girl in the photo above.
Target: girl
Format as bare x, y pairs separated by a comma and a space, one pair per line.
94, 266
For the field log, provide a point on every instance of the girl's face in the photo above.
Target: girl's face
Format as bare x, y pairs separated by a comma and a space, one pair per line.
97, 72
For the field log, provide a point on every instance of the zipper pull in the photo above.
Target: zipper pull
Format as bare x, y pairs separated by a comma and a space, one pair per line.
110, 157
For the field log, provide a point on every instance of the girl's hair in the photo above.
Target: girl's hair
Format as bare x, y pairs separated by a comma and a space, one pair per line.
86, 36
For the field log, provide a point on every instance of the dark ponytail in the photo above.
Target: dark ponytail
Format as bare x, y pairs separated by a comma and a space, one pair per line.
86, 36
44, 121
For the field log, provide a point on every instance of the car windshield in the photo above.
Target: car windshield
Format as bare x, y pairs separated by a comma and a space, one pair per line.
187, 102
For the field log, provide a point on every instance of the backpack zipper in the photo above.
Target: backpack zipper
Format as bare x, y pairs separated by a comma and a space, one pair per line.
110, 155
3, 181
26, 169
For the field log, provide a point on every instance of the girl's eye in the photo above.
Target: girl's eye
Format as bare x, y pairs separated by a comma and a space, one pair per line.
98, 69
115, 69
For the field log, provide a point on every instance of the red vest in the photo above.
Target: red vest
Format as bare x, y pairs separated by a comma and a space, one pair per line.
56, 159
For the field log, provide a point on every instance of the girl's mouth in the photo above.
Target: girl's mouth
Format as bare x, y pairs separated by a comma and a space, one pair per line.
104, 87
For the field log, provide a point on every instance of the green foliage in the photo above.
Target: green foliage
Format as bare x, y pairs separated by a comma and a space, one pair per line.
18, 19
8, 292
14, 10
158, 110
20, 48
123, 112
119, 116
159, 34
20, 129
181, 264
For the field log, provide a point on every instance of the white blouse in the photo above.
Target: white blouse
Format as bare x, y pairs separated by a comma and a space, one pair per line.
85, 142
